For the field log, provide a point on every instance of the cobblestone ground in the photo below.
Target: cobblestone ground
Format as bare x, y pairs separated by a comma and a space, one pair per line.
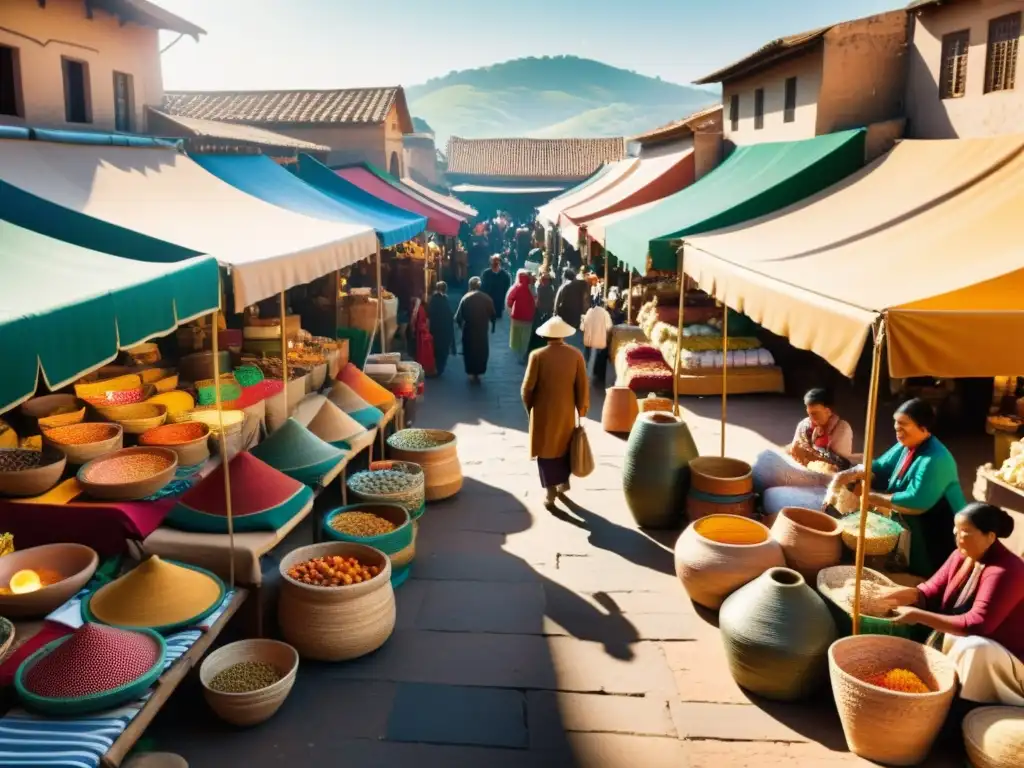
526, 638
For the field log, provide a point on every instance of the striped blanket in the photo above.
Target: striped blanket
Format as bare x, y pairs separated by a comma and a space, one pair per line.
27, 739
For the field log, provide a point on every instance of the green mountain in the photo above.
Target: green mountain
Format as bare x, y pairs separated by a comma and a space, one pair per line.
551, 97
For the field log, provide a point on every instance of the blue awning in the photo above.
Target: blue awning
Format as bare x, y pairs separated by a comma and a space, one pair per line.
261, 177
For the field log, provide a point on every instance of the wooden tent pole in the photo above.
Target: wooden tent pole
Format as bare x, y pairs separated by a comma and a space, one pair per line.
336, 289
426, 268
869, 446
284, 350
380, 305
605, 292
725, 370
629, 298
223, 447
679, 336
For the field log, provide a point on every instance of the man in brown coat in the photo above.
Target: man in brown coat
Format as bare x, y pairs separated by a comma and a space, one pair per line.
554, 391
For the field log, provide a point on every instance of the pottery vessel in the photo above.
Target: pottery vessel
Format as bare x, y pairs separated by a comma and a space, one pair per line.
620, 410
718, 554
253, 707
776, 632
810, 540
656, 474
720, 486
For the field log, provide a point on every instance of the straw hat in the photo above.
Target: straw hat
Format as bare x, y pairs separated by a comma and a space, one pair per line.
157, 594
346, 398
262, 499
365, 387
300, 454
556, 328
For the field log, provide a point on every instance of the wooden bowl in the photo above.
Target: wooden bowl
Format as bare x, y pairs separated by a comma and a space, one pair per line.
137, 417
43, 408
190, 453
252, 707
130, 488
33, 480
75, 562
62, 438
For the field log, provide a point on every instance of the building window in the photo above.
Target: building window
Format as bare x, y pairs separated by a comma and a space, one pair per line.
76, 91
124, 100
10, 81
953, 78
789, 113
1001, 62
759, 109
734, 112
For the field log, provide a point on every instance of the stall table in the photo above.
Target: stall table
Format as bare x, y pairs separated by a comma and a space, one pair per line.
991, 490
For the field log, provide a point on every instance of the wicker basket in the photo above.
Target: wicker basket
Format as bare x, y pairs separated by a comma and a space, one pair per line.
252, 707
137, 418
888, 726
874, 545
830, 580
440, 465
62, 438
413, 499
994, 737
336, 623
399, 545
34, 480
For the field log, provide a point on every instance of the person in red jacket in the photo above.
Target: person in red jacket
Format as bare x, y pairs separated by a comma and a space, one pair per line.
522, 304
975, 605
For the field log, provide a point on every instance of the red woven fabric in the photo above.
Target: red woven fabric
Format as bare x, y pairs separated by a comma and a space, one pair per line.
640, 353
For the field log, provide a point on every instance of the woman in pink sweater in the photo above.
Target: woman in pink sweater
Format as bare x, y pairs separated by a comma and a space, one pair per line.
975, 604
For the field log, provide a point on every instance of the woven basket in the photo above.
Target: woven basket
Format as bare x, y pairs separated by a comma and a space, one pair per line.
721, 476
248, 375
399, 545
206, 392
253, 707
888, 726
655, 403
832, 579
994, 737
874, 545
62, 438
413, 499
136, 418
33, 480
441, 468
336, 623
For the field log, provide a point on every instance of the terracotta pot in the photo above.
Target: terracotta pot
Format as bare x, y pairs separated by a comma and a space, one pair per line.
886, 726
655, 474
777, 632
620, 409
717, 555
810, 540
720, 486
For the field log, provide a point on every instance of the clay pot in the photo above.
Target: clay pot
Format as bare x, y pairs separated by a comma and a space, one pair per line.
720, 486
810, 540
718, 554
777, 632
620, 409
655, 474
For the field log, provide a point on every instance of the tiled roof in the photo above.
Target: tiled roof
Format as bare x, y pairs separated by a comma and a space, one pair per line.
146, 14
346, 106
706, 118
532, 158
766, 54
213, 129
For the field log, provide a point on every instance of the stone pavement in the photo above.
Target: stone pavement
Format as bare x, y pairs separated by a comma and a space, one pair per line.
526, 638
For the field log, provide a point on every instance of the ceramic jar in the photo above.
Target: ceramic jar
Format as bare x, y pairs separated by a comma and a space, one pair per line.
810, 540
655, 474
777, 632
719, 554
620, 410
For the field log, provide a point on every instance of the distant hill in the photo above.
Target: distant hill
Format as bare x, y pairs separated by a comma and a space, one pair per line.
550, 97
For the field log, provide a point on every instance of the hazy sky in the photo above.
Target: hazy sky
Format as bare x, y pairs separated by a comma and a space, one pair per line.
255, 44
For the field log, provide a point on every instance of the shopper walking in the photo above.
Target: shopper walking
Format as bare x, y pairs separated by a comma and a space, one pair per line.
522, 307
475, 313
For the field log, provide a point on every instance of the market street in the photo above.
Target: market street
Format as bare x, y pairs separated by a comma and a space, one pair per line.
524, 638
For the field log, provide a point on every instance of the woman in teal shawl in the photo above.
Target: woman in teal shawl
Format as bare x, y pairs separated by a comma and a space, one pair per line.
917, 478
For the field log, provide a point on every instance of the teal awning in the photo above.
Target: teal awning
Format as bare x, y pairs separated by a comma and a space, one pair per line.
753, 181
66, 310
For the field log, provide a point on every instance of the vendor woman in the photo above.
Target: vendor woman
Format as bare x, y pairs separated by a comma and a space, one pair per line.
917, 478
975, 605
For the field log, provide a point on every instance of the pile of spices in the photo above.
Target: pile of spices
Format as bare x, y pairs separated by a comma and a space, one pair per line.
362, 524
332, 571
380, 482
19, 459
900, 680
174, 434
245, 677
81, 434
418, 439
126, 468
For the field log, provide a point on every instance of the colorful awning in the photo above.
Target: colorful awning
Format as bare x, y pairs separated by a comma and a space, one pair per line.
610, 174
66, 310
927, 235
158, 205
657, 175
754, 180
452, 204
439, 220
338, 200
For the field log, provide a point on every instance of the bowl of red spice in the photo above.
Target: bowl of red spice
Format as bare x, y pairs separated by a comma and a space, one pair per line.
188, 439
81, 443
128, 474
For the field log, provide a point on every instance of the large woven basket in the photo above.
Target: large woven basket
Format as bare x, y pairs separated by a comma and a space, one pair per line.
253, 707
441, 467
887, 726
413, 499
994, 737
874, 544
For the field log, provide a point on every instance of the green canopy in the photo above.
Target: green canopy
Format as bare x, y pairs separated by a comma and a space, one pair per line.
67, 310
753, 181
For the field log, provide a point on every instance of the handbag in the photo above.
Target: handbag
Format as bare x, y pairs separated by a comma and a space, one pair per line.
581, 459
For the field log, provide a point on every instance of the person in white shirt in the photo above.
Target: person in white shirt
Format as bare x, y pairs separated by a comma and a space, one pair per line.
596, 325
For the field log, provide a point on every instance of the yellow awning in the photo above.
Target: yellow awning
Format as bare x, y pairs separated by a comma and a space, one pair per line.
926, 235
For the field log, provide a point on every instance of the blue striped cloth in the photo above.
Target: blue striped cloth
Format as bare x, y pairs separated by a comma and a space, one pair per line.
80, 742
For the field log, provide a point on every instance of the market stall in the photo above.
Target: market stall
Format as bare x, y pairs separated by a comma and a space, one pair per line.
453, 204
